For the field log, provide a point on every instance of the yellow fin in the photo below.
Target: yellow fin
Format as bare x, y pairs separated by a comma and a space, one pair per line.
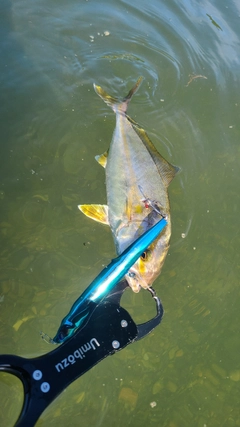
102, 159
97, 212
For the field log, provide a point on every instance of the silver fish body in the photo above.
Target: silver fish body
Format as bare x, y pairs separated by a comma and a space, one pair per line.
137, 178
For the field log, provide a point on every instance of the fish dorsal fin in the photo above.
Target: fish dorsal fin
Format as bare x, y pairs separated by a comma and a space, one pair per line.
166, 169
114, 103
97, 212
102, 159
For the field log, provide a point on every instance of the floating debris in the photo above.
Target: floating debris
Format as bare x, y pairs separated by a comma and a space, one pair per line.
153, 404
214, 22
193, 77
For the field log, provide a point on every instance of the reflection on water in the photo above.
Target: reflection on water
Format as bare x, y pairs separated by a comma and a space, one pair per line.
187, 372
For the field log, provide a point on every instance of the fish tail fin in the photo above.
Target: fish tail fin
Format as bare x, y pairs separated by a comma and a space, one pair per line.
133, 90
115, 103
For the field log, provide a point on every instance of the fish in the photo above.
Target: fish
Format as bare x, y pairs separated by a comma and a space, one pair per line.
137, 180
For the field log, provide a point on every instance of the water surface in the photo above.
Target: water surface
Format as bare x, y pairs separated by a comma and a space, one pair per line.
187, 372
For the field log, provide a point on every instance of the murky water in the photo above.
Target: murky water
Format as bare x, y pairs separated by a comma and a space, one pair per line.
186, 373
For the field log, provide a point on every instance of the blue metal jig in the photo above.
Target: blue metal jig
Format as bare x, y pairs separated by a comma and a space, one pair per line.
103, 284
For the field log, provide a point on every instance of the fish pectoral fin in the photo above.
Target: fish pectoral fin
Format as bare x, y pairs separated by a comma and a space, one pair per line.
97, 212
102, 159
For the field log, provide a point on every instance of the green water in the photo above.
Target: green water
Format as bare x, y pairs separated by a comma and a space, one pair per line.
187, 372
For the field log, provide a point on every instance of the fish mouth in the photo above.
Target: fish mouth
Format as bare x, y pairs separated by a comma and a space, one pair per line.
135, 281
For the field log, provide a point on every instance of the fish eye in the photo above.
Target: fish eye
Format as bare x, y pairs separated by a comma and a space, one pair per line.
145, 255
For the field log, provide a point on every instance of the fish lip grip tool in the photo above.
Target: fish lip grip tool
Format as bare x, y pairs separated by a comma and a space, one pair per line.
109, 329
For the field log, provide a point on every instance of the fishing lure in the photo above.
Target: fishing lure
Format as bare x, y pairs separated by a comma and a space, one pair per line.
102, 285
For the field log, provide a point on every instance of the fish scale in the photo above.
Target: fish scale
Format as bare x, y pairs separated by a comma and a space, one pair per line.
138, 170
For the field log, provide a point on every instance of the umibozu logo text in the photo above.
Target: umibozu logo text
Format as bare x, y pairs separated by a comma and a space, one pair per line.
77, 354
